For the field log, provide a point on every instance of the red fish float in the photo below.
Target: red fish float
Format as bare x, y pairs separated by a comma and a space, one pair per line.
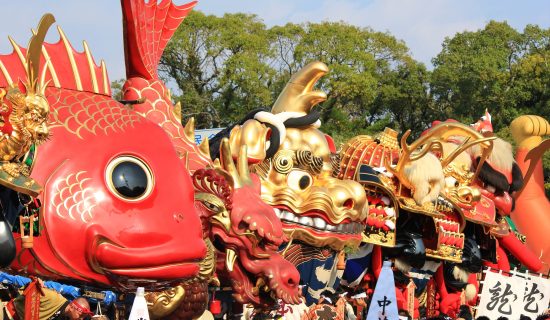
118, 206
246, 231
111, 179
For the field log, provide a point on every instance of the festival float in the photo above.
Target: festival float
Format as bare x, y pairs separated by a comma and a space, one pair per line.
323, 216
100, 197
115, 174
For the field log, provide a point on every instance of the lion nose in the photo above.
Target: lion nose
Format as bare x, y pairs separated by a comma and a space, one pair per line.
350, 196
469, 194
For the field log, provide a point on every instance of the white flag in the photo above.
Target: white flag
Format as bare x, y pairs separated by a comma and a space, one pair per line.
537, 296
501, 296
383, 305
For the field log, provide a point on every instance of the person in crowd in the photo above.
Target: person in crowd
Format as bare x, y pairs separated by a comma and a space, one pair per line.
53, 306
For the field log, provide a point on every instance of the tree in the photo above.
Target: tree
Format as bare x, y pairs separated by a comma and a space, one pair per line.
218, 65
116, 89
365, 68
496, 68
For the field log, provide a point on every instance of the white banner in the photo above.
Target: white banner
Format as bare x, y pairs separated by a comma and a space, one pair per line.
202, 134
383, 305
501, 296
537, 296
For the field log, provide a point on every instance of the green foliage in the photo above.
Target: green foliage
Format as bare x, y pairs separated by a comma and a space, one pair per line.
219, 67
226, 66
496, 68
116, 89
222, 67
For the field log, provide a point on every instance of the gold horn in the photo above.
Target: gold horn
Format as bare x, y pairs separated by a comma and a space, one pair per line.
227, 163
238, 175
35, 49
242, 166
297, 96
432, 141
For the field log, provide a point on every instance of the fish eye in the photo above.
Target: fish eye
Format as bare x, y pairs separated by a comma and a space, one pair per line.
129, 178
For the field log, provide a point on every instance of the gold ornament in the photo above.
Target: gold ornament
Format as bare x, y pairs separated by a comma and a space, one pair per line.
300, 177
26, 122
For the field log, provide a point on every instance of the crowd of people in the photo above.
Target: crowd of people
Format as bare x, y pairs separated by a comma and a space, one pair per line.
52, 305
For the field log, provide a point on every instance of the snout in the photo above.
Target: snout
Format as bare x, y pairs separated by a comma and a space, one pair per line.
290, 276
42, 132
285, 280
468, 195
349, 200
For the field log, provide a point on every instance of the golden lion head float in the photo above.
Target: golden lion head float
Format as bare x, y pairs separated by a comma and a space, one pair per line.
299, 169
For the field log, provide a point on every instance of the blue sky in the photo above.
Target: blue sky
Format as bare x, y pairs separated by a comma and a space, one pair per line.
422, 24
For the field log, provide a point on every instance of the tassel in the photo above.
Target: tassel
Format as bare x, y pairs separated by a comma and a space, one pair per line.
215, 305
410, 298
341, 260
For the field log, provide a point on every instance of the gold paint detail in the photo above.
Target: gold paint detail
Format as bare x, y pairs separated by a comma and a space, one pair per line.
34, 49
213, 204
379, 237
28, 114
162, 304
238, 172
50, 67
204, 148
423, 298
177, 111
427, 208
28, 119
106, 86
306, 160
388, 138
189, 129
283, 161
445, 252
528, 130
433, 142
207, 266
110, 116
335, 160
91, 66
18, 51
298, 94
73, 197
460, 173
254, 135
323, 241
70, 55
5, 73
502, 228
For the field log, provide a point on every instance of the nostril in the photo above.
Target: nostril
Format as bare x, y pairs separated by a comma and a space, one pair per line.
291, 282
243, 225
348, 204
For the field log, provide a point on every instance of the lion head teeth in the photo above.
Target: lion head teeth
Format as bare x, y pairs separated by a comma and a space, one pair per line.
318, 223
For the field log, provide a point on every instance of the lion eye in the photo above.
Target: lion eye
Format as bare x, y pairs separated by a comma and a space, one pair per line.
298, 179
451, 182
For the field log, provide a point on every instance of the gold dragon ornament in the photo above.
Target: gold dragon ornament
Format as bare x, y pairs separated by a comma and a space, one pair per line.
23, 119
